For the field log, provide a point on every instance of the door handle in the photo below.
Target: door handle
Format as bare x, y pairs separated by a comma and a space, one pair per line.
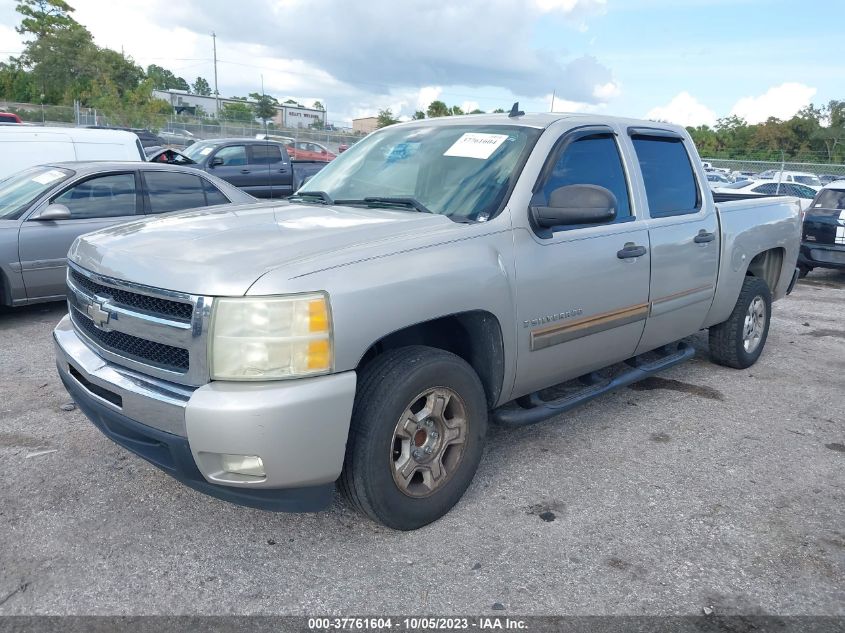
703, 237
283, 171
244, 171
631, 250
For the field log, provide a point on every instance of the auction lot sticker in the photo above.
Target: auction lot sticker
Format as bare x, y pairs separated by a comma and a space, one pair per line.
476, 145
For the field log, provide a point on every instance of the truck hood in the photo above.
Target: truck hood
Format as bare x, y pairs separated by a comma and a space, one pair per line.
224, 250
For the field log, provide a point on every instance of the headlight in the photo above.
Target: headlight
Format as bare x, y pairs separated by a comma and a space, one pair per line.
266, 338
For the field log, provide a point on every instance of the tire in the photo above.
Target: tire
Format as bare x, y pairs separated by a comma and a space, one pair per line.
732, 343
803, 271
404, 387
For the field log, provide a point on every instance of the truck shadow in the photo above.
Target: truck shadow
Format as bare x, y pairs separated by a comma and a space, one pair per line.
11, 318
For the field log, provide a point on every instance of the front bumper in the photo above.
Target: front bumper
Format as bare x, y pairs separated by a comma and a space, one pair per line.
298, 428
814, 255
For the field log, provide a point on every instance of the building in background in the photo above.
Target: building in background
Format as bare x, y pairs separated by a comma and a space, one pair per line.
184, 102
365, 125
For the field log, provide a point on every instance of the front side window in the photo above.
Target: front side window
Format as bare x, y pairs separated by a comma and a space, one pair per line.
592, 160
109, 196
233, 155
808, 180
461, 171
668, 176
173, 191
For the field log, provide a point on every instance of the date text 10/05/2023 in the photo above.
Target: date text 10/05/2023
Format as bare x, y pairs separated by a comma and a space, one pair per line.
415, 623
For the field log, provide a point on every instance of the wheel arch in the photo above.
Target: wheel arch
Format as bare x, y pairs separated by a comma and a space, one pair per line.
475, 336
768, 266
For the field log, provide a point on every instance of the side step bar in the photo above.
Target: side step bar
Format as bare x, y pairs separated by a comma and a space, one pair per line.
533, 409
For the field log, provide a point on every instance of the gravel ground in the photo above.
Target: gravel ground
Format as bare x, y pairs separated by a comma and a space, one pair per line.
705, 487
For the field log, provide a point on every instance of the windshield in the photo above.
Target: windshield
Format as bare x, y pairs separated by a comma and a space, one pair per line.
809, 180
461, 171
830, 199
19, 190
197, 151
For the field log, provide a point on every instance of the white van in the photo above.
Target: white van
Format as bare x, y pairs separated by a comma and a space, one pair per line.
25, 146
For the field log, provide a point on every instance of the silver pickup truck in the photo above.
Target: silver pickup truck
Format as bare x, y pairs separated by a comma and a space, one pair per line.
439, 274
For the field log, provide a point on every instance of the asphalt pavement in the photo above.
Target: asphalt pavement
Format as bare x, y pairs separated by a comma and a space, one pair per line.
703, 489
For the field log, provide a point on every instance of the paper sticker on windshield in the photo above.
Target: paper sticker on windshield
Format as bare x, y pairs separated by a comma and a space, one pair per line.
205, 151
476, 145
48, 176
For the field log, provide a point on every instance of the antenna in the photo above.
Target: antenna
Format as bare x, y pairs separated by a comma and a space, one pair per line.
515, 111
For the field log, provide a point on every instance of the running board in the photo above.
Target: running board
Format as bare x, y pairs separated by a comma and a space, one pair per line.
533, 409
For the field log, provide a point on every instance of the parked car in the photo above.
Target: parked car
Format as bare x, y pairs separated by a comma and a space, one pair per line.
801, 177
43, 209
177, 136
716, 178
342, 148
146, 137
770, 188
823, 237
308, 150
447, 271
261, 168
826, 179
27, 146
9, 117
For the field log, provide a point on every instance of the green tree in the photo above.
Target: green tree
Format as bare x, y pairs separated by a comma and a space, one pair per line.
437, 108
385, 118
41, 17
265, 108
237, 112
201, 87
318, 105
456, 110
164, 79
477, 111
498, 111
418, 115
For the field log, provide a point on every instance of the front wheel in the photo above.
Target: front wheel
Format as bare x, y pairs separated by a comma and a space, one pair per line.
739, 341
417, 436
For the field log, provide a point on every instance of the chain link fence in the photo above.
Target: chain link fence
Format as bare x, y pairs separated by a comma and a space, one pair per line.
765, 169
172, 127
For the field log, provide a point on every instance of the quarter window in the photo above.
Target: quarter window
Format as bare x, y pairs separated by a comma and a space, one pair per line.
591, 160
172, 191
102, 197
668, 177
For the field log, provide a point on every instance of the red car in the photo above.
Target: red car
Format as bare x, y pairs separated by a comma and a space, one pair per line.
8, 117
306, 150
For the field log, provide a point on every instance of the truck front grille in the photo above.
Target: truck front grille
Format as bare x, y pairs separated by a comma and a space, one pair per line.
157, 332
150, 305
155, 354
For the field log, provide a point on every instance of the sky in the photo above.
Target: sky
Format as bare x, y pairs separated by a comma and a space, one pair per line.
686, 61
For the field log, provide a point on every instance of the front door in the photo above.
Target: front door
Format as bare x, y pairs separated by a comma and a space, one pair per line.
94, 203
685, 240
583, 290
232, 166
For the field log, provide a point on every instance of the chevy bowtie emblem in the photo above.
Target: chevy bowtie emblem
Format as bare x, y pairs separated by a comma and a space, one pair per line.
98, 315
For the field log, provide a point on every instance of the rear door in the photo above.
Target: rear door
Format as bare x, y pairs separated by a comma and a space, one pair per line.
683, 233
274, 160
583, 290
95, 203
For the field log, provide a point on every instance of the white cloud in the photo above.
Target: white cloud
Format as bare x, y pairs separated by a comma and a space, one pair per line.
781, 102
570, 7
607, 91
426, 95
684, 109
469, 106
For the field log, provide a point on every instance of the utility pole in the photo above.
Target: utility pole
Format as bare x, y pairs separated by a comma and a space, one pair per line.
216, 91
552, 106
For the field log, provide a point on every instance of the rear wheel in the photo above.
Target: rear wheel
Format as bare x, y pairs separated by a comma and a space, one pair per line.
739, 341
417, 435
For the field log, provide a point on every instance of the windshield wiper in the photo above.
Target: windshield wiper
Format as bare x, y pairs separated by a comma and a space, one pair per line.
400, 201
322, 195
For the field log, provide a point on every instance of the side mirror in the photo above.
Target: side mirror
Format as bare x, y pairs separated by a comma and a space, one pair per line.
576, 204
52, 212
215, 162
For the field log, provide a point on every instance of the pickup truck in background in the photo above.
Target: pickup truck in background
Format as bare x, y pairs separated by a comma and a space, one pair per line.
445, 273
260, 167
823, 236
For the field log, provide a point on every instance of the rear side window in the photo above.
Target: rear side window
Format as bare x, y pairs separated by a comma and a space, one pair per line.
213, 195
592, 160
830, 199
668, 176
171, 191
266, 154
